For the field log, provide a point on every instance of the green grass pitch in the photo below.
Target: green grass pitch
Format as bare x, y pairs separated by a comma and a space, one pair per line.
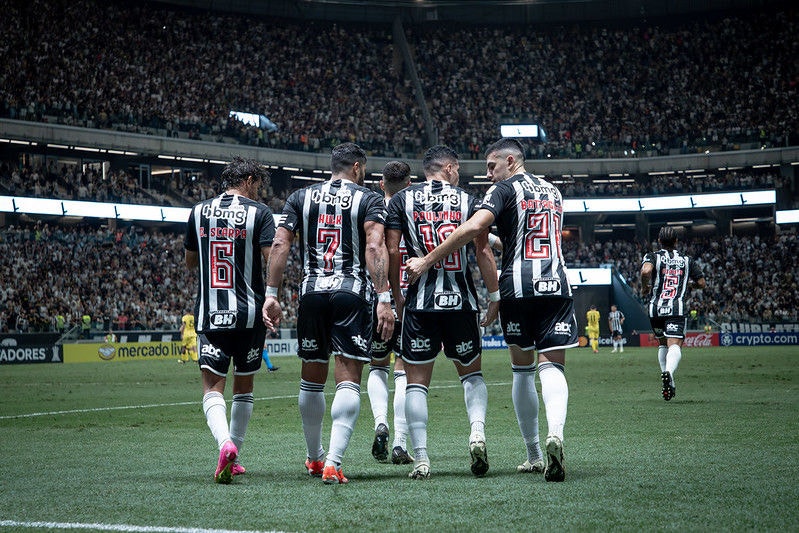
126, 444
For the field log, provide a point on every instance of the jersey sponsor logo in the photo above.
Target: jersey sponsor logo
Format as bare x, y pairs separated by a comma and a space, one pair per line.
329, 283
664, 310
223, 318
538, 189
418, 345
448, 300
342, 199
563, 328
547, 286
464, 347
427, 197
237, 214
210, 350
359, 341
513, 328
309, 344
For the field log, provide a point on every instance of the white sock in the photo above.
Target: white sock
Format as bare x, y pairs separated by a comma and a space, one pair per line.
416, 413
525, 403
216, 416
400, 424
312, 410
377, 390
555, 393
662, 357
673, 357
240, 413
344, 411
475, 395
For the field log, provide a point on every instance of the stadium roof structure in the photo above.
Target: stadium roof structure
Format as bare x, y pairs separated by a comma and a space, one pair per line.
473, 11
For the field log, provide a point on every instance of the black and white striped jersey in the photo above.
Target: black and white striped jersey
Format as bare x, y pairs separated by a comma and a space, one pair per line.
426, 214
528, 214
330, 218
670, 277
228, 232
614, 319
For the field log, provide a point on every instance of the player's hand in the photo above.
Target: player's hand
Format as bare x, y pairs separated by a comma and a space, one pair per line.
415, 267
272, 313
491, 314
385, 321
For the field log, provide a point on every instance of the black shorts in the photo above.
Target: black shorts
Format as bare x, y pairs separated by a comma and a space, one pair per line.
217, 349
544, 323
669, 326
423, 333
616, 333
382, 349
337, 323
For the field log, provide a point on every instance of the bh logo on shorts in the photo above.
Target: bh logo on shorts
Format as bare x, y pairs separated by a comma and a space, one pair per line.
513, 328
419, 345
309, 344
222, 319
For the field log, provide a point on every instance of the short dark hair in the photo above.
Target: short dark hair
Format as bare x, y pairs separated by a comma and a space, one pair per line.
395, 176
239, 169
345, 155
667, 237
507, 144
436, 157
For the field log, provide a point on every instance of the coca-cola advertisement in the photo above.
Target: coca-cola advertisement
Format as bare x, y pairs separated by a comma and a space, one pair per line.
692, 340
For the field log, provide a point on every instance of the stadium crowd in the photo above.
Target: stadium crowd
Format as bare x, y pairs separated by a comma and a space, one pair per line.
654, 88
134, 278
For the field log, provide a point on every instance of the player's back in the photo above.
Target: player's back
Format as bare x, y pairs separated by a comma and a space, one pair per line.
426, 214
528, 213
593, 318
330, 219
671, 274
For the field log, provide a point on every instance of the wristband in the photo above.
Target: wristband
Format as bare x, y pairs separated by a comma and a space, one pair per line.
271, 291
493, 296
384, 297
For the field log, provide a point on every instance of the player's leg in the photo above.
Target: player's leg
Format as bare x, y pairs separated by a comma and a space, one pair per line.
416, 413
525, 403
674, 335
214, 372
350, 339
420, 345
377, 390
462, 344
399, 453
240, 414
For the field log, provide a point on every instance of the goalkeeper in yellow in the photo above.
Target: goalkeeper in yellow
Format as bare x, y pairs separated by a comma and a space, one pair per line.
188, 337
592, 329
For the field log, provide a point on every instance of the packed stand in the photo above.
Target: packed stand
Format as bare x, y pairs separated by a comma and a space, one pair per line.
598, 91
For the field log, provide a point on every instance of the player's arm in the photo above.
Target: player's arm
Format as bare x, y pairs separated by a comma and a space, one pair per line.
377, 265
276, 258
488, 268
495, 242
393, 237
479, 222
646, 279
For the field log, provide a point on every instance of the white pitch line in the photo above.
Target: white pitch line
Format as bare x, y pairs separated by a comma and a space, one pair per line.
174, 404
119, 527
